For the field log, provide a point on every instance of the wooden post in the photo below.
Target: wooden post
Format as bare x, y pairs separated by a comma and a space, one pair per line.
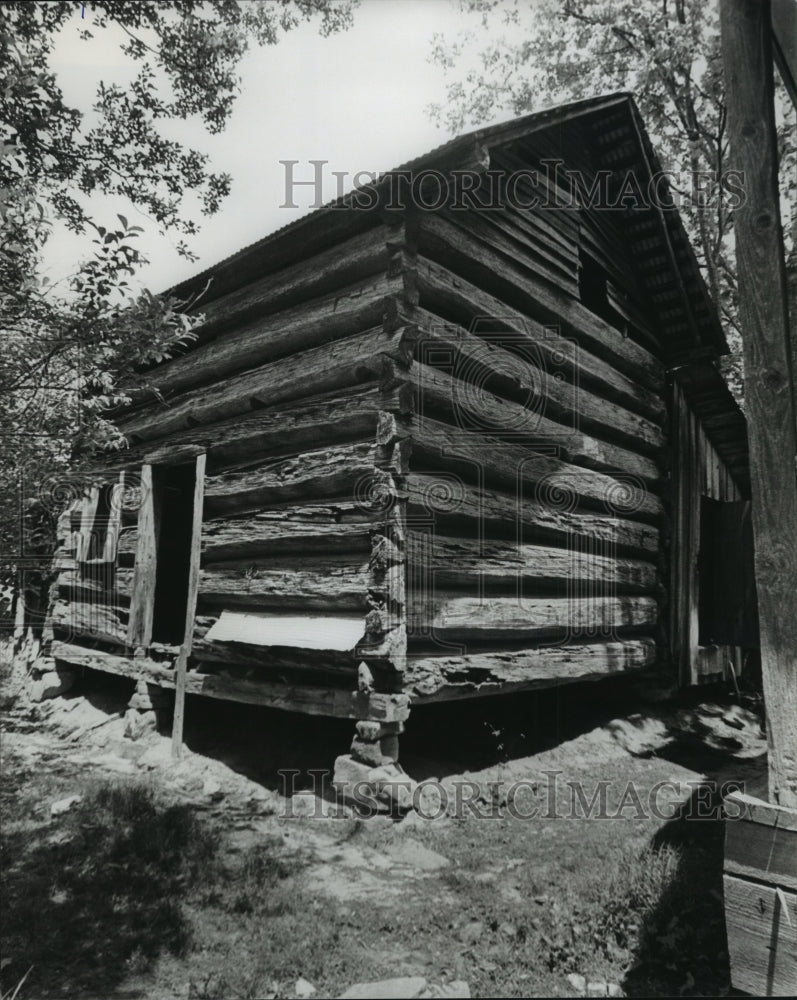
181, 665
769, 379
139, 629
180, 668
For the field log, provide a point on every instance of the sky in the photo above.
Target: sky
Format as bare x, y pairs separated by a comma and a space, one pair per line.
357, 99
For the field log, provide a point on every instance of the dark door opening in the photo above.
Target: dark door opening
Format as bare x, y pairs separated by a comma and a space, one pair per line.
727, 608
173, 495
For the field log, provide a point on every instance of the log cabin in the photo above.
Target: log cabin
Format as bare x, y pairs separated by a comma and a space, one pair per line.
470, 441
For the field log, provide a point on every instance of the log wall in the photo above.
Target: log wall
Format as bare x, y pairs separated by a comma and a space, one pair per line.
289, 393
536, 471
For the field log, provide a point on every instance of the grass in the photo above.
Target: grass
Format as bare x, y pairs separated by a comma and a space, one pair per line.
142, 895
102, 892
131, 895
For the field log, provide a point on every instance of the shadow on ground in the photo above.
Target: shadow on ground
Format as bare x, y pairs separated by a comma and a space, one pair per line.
100, 897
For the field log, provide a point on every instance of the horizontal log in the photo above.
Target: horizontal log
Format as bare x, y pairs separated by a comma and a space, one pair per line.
441, 678
474, 406
333, 471
291, 698
534, 374
337, 314
487, 261
343, 524
96, 621
437, 446
304, 582
454, 562
74, 585
470, 618
453, 304
281, 429
456, 303
335, 268
439, 499
341, 364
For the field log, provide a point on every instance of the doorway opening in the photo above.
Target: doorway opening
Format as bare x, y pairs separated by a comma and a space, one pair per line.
173, 499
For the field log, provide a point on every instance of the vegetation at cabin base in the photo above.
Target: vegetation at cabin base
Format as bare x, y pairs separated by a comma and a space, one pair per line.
66, 350
666, 53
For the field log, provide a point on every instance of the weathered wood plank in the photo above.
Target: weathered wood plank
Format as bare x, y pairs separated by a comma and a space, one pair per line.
429, 678
454, 616
139, 630
762, 944
452, 296
763, 852
341, 364
88, 514
442, 447
334, 471
334, 583
181, 664
454, 562
435, 499
326, 633
343, 524
292, 698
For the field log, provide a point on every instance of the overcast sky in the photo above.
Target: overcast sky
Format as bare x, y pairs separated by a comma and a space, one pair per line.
357, 99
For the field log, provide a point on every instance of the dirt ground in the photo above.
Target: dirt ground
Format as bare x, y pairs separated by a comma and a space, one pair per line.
305, 898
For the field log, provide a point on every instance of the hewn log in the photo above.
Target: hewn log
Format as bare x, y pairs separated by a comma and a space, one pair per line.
330, 583
95, 621
488, 262
441, 678
114, 590
337, 267
338, 470
342, 524
434, 499
445, 296
341, 364
455, 562
291, 698
522, 372
283, 429
474, 406
443, 447
451, 616
342, 312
